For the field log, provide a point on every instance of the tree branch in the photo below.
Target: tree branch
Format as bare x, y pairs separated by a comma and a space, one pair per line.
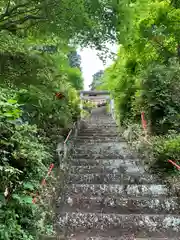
9, 11
13, 24
7, 7
17, 7
20, 13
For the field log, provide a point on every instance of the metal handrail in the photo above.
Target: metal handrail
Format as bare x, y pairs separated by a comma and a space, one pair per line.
173, 163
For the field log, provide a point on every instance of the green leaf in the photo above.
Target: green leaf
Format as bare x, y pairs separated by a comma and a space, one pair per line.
22, 198
12, 101
8, 114
16, 197
28, 186
27, 199
6, 235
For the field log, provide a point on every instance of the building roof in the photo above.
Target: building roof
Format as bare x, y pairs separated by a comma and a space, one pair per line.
95, 92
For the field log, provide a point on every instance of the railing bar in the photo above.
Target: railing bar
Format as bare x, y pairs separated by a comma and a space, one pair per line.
177, 166
69, 134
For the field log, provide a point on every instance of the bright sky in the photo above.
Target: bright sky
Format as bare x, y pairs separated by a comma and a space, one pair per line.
90, 63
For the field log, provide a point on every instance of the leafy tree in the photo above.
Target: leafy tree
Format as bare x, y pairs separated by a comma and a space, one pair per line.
145, 75
74, 60
85, 22
96, 79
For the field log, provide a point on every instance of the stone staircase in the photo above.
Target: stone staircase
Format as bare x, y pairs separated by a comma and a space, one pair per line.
109, 195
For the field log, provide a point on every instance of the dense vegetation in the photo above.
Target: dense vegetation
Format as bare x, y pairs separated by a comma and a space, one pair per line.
96, 81
40, 74
39, 78
146, 74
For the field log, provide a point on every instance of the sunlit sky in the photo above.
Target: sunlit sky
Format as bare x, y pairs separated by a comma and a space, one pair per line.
90, 63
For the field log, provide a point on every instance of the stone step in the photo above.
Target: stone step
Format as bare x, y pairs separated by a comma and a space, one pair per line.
112, 129
117, 190
111, 178
97, 151
98, 137
111, 146
98, 141
108, 155
121, 234
94, 163
107, 166
99, 129
98, 134
110, 204
82, 236
154, 223
101, 120
101, 125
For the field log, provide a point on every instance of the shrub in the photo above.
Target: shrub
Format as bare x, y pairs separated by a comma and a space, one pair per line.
32, 118
160, 95
23, 161
164, 149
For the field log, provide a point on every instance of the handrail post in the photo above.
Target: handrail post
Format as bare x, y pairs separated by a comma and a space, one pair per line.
81, 103
112, 107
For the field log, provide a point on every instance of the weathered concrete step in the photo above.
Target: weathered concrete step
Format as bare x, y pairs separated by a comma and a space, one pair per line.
100, 120
103, 152
149, 238
122, 234
114, 148
99, 129
88, 236
117, 190
111, 178
92, 163
94, 124
95, 135
102, 126
81, 237
112, 129
98, 134
99, 140
117, 238
107, 166
104, 147
104, 140
137, 205
99, 137
110, 155
165, 224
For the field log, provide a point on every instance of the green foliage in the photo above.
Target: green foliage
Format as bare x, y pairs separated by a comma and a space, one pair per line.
23, 161
86, 22
96, 80
165, 149
146, 74
160, 96
39, 100
31, 120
